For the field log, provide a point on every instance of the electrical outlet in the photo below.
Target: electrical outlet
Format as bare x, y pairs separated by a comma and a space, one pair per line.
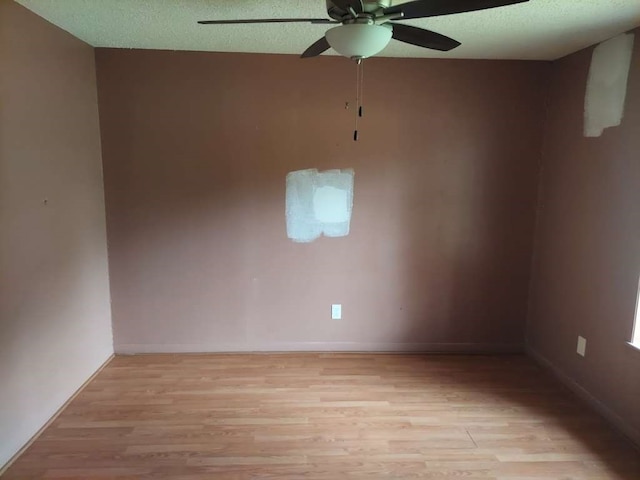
582, 346
336, 311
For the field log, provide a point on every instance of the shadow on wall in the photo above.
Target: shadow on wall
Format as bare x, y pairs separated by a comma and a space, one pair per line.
440, 244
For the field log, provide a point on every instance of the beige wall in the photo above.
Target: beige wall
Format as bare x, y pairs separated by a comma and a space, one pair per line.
588, 246
196, 147
54, 294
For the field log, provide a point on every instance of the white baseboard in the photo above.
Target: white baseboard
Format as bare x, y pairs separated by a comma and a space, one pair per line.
612, 417
472, 348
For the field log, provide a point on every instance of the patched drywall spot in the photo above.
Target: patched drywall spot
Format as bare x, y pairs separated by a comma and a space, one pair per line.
318, 203
330, 204
607, 85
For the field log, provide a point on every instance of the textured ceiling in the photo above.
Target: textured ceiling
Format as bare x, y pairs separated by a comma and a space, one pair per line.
539, 29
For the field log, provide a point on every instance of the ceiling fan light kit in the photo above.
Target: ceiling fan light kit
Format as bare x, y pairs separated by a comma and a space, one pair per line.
359, 40
367, 27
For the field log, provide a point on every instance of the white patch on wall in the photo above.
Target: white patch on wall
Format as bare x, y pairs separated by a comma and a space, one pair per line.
607, 85
318, 203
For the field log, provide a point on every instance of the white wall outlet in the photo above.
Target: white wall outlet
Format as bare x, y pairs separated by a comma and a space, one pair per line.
582, 346
336, 311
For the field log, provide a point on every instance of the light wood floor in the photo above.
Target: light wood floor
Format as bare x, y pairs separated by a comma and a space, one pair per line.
326, 416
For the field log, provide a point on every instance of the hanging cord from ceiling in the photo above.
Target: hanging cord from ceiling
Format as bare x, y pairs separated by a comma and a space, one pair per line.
359, 94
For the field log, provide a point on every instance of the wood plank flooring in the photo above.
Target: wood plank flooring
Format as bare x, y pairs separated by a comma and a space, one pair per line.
326, 416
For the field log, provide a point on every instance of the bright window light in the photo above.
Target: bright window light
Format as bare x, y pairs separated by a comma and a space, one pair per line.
635, 336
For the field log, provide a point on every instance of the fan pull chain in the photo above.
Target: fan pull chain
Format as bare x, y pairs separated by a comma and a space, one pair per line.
355, 130
359, 90
361, 64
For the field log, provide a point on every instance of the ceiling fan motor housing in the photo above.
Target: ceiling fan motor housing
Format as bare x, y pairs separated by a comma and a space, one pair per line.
369, 6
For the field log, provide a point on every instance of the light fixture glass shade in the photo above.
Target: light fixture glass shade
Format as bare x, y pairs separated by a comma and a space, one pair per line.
358, 40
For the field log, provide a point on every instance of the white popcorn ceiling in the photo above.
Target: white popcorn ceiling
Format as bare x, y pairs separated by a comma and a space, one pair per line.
539, 29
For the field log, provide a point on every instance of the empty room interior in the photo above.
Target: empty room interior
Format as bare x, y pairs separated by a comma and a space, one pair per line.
319, 239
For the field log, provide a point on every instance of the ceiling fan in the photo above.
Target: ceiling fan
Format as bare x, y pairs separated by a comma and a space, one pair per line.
367, 26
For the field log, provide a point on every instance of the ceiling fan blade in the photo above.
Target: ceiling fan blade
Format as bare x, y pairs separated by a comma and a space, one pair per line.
268, 20
347, 5
434, 8
423, 38
316, 49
